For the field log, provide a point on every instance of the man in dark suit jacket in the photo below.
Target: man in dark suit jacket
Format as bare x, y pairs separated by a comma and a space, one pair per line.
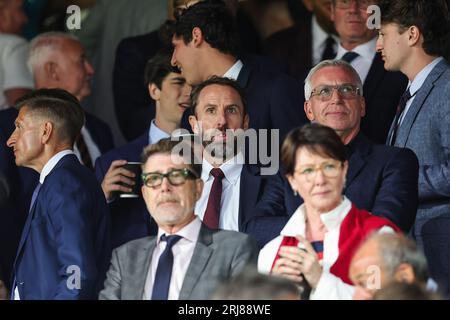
234, 186
168, 89
413, 38
65, 245
382, 89
187, 260
380, 179
205, 44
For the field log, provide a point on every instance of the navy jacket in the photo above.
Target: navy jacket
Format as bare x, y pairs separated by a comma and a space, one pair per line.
67, 229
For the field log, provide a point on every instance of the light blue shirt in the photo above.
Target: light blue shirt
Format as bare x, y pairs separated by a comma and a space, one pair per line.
417, 83
155, 134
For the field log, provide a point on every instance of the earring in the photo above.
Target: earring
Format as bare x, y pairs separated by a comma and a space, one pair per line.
295, 192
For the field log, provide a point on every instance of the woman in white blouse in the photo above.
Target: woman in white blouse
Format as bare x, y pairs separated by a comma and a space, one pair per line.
318, 242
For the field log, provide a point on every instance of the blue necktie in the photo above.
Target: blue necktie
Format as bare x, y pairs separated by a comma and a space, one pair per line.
349, 56
33, 200
164, 271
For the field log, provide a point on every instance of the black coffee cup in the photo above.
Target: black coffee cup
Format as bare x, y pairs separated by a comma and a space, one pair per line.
134, 167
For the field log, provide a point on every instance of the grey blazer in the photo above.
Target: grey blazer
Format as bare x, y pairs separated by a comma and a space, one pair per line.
426, 130
218, 256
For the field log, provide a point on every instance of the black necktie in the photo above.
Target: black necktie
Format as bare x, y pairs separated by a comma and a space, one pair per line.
212, 213
349, 56
84, 152
164, 270
400, 108
329, 52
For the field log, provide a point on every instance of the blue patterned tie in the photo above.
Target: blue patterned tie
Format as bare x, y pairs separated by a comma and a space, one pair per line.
349, 56
164, 271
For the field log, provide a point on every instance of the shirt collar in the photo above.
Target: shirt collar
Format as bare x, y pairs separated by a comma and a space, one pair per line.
366, 50
48, 167
231, 169
155, 134
189, 232
332, 219
418, 81
319, 35
233, 72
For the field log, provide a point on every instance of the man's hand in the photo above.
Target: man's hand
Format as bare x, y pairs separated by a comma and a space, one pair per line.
3, 291
114, 177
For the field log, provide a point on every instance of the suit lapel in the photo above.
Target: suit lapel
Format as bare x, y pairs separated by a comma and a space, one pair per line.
244, 76
139, 270
249, 190
200, 258
417, 104
357, 161
374, 77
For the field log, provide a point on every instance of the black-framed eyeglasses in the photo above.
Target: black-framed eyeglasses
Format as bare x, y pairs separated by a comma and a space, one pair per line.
346, 90
176, 177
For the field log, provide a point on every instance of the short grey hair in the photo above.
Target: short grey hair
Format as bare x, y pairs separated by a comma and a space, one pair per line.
331, 63
42, 45
395, 249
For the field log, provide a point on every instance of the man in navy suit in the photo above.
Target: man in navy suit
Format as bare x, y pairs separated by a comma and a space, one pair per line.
382, 89
65, 246
166, 86
380, 179
413, 38
234, 188
57, 60
206, 44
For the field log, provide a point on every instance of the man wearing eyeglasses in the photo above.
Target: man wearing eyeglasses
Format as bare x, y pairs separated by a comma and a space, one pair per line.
380, 179
382, 89
186, 260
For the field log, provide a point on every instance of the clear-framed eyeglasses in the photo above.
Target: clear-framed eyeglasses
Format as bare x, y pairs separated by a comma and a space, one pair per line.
176, 177
346, 90
330, 169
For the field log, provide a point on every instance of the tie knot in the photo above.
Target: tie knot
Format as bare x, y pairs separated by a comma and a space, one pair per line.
171, 240
217, 173
407, 95
349, 56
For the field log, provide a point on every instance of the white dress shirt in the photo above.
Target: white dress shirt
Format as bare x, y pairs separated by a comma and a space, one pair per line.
319, 40
233, 72
417, 83
48, 167
182, 255
363, 62
329, 285
231, 188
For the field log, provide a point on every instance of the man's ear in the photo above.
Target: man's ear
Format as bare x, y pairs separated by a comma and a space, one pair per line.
154, 91
246, 121
405, 273
363, 107
51, 71
46, 132
413, 35
195, 126
197, 36
308, 110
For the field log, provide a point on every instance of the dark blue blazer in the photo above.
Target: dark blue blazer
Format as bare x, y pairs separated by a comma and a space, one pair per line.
68, 226
23, 180
381, 180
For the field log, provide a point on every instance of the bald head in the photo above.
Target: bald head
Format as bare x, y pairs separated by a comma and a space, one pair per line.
58, 60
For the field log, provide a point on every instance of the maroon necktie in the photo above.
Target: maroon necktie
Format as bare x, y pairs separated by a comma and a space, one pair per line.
84, 152
212, 213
